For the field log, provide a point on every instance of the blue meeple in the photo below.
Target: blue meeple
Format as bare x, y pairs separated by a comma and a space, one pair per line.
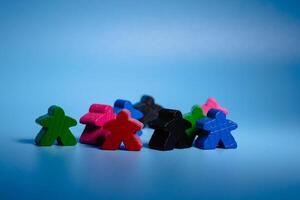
215, 131
121, 104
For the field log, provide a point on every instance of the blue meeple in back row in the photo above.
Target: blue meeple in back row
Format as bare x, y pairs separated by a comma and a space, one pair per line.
206, 125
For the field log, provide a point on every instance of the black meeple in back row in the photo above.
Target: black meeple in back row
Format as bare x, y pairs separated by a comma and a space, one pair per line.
149, 109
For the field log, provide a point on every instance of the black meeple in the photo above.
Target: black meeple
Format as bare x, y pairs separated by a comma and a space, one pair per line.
169, 130
148, 107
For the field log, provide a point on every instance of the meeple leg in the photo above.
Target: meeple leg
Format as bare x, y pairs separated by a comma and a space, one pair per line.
91, 135
45, 138
185, 141
207, 141
112, 142
227, 141
67, 138
162, 140
132, 142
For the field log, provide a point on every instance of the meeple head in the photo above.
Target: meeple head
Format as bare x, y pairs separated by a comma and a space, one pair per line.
121, 103
169, 114
149, 100
211, 101
216, 114
124, 115
55, 110
197, 111
100, 108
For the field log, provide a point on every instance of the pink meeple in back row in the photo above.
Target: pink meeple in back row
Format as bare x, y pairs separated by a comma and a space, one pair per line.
212, 103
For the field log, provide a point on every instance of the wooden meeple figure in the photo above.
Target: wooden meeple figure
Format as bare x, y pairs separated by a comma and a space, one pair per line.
169, 130
215, 131
122, 130
149, 108
193, 116
56, 127
94, 120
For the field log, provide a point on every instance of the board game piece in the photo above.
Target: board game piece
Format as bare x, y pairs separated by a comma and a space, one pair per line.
149, 108
121, 104
212, 103
55, 128
122, 129
94, 120
195, 114
215, 131
169, 130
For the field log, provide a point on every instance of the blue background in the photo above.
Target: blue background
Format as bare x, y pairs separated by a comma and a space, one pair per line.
246, 54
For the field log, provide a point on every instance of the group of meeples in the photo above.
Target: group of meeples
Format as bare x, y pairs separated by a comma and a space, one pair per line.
108, 127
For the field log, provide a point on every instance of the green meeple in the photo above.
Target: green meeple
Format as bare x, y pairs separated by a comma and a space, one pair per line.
195, 114
56, 127
187, 139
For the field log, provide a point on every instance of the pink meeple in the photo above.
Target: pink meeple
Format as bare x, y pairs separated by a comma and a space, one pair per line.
212, 103
95, 119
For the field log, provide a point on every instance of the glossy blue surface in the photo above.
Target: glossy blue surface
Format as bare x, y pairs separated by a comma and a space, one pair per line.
75, 53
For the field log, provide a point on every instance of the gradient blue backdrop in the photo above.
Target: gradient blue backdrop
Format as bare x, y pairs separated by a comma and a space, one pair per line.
74, 53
